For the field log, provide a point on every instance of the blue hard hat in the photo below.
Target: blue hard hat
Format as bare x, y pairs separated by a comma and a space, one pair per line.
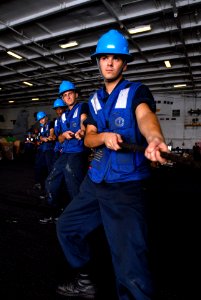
40, 115
66, 86
113, 42
59, 103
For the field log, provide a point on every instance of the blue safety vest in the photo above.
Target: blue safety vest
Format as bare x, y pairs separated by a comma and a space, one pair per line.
70, 120
57, 132
116, 115
45, 132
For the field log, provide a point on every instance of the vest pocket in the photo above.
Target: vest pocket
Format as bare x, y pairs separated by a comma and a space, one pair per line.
124, 162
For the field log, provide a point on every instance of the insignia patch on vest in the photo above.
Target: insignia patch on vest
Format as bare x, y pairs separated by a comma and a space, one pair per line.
74, 124
119, 122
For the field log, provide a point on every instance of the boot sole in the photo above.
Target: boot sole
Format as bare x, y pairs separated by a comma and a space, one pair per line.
84, 296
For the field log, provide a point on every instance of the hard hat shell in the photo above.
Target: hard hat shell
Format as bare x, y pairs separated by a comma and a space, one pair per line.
40, 115
59, 103
113, 42
66, 86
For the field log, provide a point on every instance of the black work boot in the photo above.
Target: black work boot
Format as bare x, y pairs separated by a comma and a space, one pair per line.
47, 220
81, 287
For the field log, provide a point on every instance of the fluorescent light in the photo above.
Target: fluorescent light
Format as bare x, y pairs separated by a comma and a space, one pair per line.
167, 64
28, 83
11, 101
35, 99
0, 88
179, 85
69, 45
14, 54
139, 29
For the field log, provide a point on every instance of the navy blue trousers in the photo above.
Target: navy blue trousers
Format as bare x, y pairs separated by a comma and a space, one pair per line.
121, 208
69, 168
44, 161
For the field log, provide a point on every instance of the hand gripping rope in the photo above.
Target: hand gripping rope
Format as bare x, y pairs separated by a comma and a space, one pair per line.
187, 161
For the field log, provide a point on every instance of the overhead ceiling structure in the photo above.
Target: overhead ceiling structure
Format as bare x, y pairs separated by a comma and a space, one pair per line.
35, 31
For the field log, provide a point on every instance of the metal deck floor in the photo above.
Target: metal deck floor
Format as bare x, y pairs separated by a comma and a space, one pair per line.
32, 263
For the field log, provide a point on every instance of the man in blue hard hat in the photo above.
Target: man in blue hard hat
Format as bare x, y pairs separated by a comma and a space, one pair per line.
71, 165
45, 151
60, 107
114, 191
55, 206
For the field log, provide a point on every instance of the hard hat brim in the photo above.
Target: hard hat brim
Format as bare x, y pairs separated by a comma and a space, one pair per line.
127, 57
